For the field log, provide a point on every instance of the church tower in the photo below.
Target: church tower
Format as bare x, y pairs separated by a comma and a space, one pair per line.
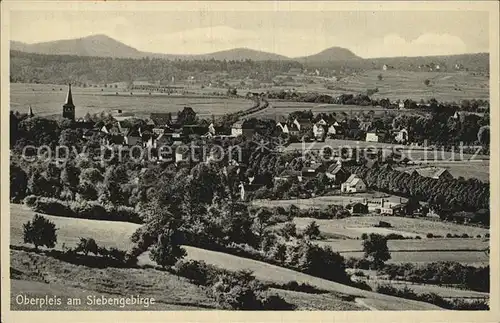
69, 107
30, 112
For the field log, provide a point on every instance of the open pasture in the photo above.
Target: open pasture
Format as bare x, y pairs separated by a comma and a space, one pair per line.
353, 227
106, 233
471, 258
45, 101
444, 244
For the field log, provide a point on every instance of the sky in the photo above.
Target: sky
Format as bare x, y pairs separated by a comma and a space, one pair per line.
290, 33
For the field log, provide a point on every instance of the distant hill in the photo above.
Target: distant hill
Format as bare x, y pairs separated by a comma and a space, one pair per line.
330, 54
98, 45
104, 46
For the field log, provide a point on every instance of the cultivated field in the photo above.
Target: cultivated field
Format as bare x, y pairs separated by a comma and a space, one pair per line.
397, 84
45, 101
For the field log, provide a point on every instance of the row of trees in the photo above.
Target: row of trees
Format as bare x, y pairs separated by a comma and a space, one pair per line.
443, 195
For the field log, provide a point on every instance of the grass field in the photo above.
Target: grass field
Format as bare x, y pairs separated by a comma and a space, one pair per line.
116, 280
324, 201
46, 101
353, 226
475, 244
108, 233
471, 258
479, 170
267, 272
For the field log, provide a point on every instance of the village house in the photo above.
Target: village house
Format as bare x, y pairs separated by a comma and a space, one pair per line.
319, 130
132, 137
354, 184
242, 128
335, 130
337, 174
313, 169
372, 137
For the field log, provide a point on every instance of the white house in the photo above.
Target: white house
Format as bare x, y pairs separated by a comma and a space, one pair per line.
318, 130
371, 136
401, 136
354, 184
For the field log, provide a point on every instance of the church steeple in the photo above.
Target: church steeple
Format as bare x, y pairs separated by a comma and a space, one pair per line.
69, 107
30, 112
69, 98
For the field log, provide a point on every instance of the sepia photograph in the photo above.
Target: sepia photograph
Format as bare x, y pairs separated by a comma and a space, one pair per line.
213, 157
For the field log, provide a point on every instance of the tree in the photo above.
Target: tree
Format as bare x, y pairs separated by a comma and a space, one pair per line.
18, 182
87, 245
375, 248
312, 230
289, 230
427, 82
380, 77
483, 135
167, 250
187, 116
40, 232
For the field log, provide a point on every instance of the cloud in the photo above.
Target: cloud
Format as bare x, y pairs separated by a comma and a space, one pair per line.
426, 44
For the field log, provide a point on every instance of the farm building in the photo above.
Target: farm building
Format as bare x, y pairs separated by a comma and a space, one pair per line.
433, 172
354, 184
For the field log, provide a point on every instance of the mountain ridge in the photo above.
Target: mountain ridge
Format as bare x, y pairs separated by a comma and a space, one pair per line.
101, 45
104, 46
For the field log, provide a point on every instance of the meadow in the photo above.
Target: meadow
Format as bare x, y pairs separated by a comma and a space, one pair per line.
353, 227
47, 100
479, 170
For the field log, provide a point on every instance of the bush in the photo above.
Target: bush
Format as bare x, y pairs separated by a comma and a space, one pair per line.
465, 235
87, 245
418, 237
303, 287
430, 235
312, 230
276, 303
361, 285
198, 272
478, 236
383, 224
30, 200
83, 210
52, 206
40, 232
395, 236
449, 235
487, 235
